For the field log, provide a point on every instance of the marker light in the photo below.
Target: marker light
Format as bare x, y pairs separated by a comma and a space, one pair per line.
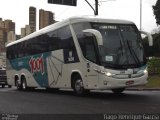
145, 71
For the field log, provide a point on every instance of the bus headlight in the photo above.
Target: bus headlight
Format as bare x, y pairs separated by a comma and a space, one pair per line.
145, 71
109, 74
105, 73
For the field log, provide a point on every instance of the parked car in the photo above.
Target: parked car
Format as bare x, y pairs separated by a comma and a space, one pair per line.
3, 77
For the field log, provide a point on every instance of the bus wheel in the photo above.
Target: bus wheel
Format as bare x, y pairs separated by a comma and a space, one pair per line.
18, 85
118, 90
78, 85
24, 84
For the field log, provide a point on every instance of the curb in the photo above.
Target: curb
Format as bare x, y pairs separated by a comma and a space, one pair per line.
144, 89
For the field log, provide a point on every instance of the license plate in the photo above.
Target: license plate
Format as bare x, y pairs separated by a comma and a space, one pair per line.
129, 82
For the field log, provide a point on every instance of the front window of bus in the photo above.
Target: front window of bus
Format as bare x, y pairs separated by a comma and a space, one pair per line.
122, 45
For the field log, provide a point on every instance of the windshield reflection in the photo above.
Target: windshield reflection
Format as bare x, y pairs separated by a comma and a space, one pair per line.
122, 46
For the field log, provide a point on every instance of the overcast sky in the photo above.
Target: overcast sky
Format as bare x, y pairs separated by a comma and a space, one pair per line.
18, 11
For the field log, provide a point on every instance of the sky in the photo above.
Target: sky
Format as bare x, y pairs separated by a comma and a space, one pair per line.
18, 11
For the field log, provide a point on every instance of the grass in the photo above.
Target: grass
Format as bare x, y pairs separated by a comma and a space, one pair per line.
153, 81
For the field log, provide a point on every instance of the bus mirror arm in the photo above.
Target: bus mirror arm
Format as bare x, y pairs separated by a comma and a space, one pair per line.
150, 39
97, 34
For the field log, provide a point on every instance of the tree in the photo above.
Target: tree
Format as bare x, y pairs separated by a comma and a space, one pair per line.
155, 49
156, 12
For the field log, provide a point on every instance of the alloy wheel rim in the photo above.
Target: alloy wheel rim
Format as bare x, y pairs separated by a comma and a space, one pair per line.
78, 85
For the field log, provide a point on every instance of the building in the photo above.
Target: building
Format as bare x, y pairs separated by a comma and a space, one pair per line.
18, 37
28, 29
23, 32
3, 39
32, 19
2, 25
9, 25
3, 35
11, 36
5, 27
45, 18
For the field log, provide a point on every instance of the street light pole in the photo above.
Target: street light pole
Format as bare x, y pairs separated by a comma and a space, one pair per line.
140, 14
96, 7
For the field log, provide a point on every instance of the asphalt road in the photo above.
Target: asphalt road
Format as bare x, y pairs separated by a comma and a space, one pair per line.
65, 102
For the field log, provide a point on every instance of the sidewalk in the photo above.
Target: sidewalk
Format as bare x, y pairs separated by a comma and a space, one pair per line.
141, 88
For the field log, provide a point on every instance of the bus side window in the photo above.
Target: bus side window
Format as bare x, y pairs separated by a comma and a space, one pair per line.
10, 52
66, 40
88, 47
87, 42
53, 40
60, 39
67, 44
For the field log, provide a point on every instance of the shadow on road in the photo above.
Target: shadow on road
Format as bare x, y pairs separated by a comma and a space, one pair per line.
126, 95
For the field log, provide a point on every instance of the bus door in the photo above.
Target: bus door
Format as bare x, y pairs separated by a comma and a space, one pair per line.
91, 54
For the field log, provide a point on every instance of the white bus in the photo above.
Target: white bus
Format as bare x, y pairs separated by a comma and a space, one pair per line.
81, 54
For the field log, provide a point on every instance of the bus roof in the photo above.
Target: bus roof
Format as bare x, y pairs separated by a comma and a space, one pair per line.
69, 21
98, 19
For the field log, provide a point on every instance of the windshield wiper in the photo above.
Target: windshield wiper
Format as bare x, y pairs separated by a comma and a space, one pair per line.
133, 54
122, 51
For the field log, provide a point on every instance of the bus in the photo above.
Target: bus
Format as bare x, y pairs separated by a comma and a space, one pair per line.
79, 53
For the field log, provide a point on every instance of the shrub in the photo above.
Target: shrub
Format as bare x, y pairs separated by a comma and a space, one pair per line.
154, 66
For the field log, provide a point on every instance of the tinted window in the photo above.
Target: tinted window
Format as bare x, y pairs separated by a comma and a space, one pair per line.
66, 40
54, 40
87, 42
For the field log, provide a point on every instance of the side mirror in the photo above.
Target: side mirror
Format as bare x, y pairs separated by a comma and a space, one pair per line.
150, 39
97, 35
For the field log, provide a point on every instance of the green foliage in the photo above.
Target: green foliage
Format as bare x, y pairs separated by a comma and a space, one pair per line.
155, 49
153, 82
154, 66
156, 12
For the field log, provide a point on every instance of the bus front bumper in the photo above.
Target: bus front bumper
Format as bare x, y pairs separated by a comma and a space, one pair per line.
106, 82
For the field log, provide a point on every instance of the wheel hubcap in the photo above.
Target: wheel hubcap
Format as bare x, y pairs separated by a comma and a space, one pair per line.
78, 85
17, 84
23, 85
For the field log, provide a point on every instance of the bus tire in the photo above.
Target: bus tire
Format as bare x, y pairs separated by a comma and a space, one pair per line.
118, 90
78, 85
24, 83
18, 85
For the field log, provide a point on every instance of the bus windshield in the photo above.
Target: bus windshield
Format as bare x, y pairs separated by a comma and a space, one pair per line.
122, 46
